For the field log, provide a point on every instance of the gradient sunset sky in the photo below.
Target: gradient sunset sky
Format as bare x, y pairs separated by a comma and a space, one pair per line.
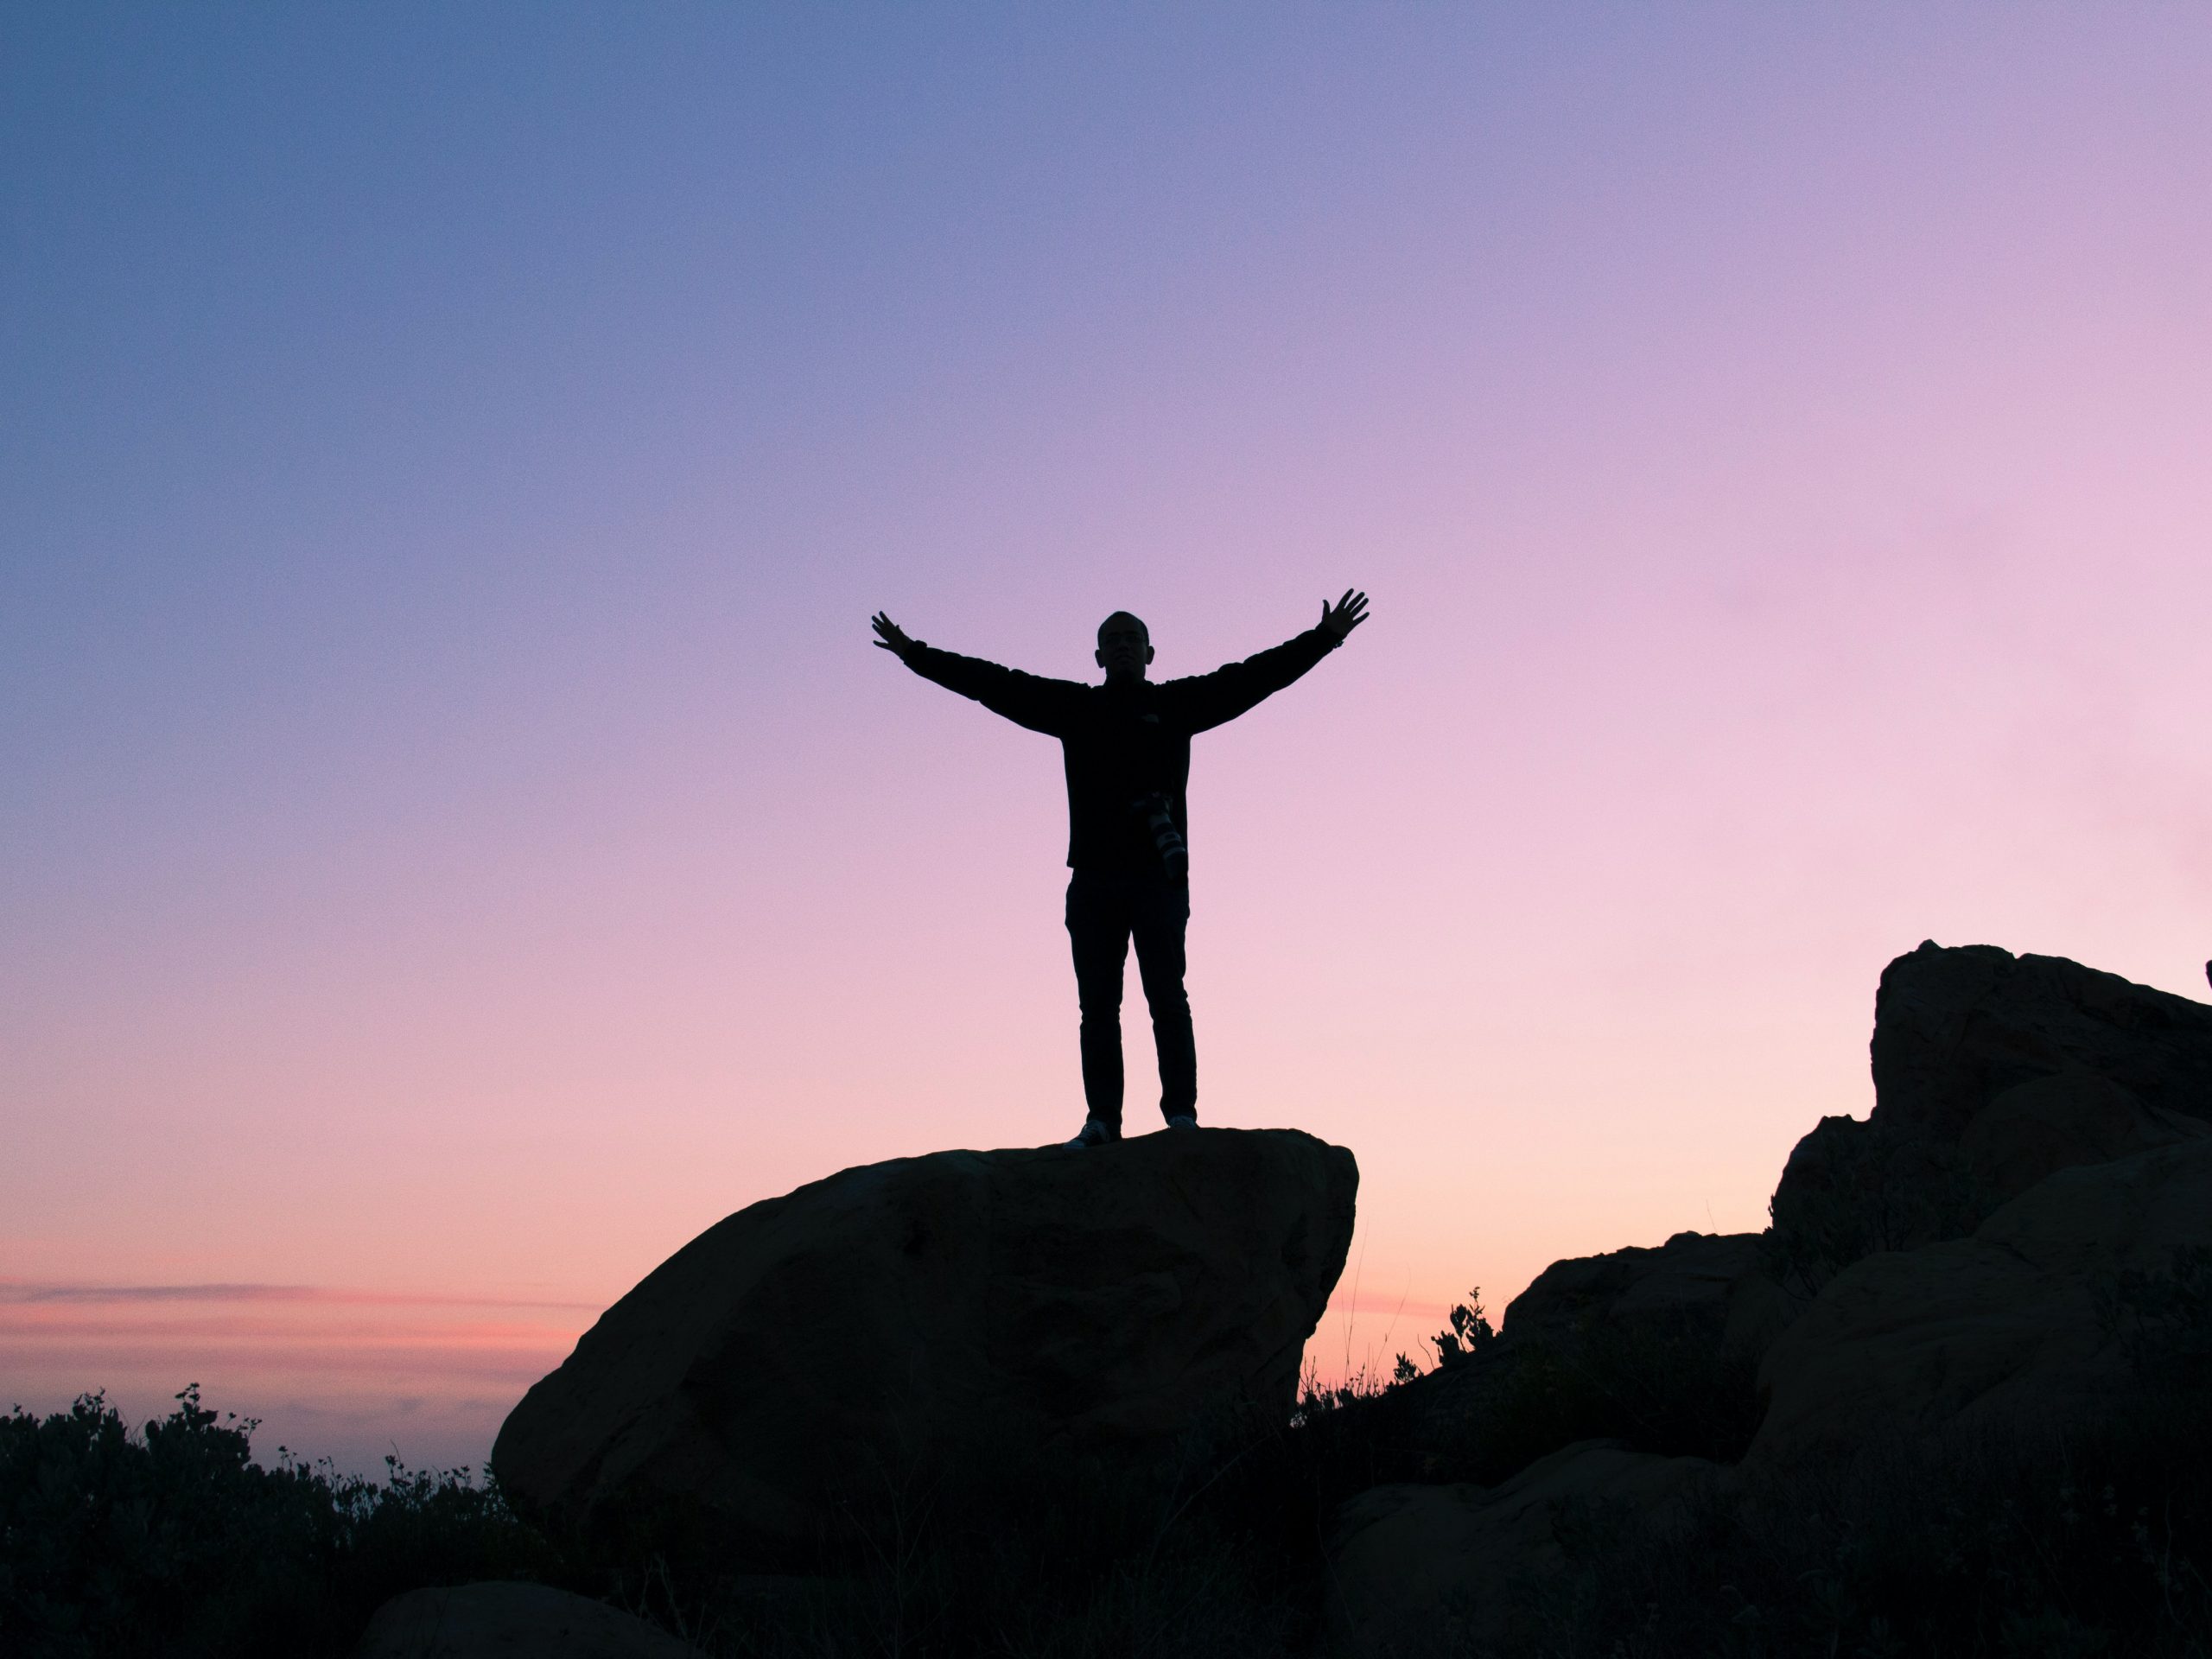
459, 842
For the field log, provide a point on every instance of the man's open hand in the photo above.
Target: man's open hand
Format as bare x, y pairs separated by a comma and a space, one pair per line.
1341, 618
890, 636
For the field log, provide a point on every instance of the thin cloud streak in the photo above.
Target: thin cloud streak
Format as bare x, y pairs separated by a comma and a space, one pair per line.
15, 1290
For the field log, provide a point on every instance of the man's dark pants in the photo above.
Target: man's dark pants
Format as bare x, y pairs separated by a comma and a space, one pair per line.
1106, 910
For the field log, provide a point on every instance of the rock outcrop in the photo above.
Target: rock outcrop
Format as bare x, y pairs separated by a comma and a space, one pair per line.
1991, 1071
2018, 1238
503, 1620
1715, 1281
1956, 1029
1420, 1569
2003, 1330
1591, 1332
964, 1309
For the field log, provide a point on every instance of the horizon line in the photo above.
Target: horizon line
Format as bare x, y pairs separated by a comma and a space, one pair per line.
24, 1291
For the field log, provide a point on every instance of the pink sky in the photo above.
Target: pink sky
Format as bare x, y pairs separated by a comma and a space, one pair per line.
464, 845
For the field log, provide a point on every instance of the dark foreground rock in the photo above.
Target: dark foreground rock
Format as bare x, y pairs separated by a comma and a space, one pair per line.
511, 1621
1715, 1282
2026, 1325
2015, 1247
1424, 1569
1647, 1342
1991, 1072
964, 1311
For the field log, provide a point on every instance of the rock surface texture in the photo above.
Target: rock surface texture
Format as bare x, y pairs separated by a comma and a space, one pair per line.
1700, 1302
1999, 1330
1956, 1029
2019, 1239
1425, 1569
511, 1621
1716, 1281
1992, 1071
946, 1311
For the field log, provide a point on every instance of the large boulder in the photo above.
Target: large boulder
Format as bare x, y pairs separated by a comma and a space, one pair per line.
1991, 1071
1656, 1344
964, 1310
1715, 1282
1954, 1029
1418, 1569
2023, 1325
499, 1620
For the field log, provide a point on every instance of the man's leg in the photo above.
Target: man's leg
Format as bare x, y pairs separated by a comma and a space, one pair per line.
1159, 918
1098, 931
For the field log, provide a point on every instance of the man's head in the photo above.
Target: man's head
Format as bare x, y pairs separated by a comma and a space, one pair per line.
1124, 647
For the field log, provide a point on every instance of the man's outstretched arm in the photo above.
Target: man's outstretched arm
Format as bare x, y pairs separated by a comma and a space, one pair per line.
1040, 704
1210, 700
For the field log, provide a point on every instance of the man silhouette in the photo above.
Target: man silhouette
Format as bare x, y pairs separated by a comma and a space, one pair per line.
1126, 747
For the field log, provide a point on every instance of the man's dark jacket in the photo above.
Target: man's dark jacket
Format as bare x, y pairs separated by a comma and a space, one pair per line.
1124, 741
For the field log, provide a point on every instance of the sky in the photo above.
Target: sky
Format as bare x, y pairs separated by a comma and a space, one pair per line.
459, 842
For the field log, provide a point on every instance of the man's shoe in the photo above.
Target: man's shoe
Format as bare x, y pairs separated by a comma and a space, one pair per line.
1096, 1132
1183, 1121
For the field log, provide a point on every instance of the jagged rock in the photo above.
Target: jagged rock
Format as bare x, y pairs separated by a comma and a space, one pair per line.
511, 1621
1422, 1569
1991, 1071
2000, 1329
955, 1311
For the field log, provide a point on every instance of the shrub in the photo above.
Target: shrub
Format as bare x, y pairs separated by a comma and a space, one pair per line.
1468, 1336
174, 1541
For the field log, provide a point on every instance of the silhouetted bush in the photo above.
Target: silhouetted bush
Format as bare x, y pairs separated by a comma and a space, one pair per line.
174, 1541
1467, 1336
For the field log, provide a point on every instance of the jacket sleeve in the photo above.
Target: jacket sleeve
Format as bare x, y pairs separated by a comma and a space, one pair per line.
1029, 700
1206, 701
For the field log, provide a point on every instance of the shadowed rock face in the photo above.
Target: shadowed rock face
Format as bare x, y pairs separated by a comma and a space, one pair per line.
2020, 1239
1715, 1282
1697, 1306
965, 1307
511, 1621
1991, 1072
1956, 1029
2002, 1329
1425, 1569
